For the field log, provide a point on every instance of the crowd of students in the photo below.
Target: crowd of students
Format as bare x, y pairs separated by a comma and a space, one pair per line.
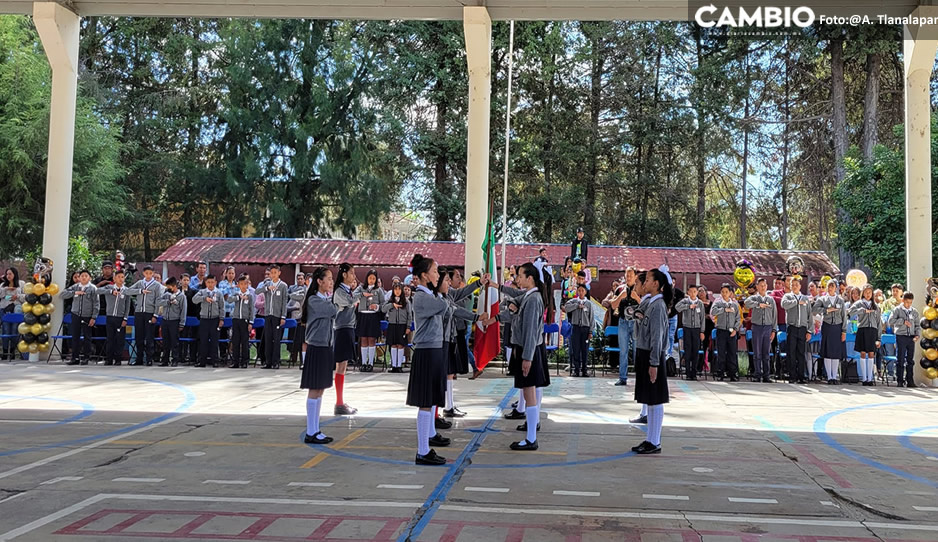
819, 324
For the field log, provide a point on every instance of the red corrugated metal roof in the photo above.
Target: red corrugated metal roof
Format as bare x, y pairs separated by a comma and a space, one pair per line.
398, 254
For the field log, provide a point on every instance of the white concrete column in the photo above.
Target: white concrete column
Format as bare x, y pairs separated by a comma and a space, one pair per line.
58, 28
919, 51
478, 31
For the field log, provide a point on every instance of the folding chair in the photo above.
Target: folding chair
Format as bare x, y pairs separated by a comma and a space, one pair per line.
258, 324
289, 324
383, 344
185, 343
549, 330
611, 331
65, 327
890, 339
15, 318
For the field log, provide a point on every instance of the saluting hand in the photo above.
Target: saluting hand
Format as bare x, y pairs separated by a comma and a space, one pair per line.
525, 367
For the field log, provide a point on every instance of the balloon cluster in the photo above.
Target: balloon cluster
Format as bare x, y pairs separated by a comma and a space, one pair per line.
743, 276
929, 342
38, 309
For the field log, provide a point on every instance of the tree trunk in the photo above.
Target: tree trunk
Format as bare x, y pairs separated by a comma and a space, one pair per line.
592, 180
785, 149
839, 128
441, 219
649, 160
743, 241
871, 104
701, 157
548, 147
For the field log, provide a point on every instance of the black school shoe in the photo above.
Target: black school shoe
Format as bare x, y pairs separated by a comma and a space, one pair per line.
318, 438
640, 419
454, 413
524, 426
514, 415
344, 410
440, 441
429, 459
647, 448
524, 445
442, 423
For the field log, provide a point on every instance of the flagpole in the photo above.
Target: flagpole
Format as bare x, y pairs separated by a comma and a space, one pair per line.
511, 50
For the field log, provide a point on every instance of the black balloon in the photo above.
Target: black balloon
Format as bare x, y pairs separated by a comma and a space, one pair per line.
924, 363
927, 343
42, 337
29, 318
29, 338
44, 318
925, 323
45, 299
32, 298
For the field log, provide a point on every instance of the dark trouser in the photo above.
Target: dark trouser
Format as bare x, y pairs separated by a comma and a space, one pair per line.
9, 328
272, 334
761, 343
797, 344
777, 367
259, 337
116, 337
81, 337
691, 351
208, 340
727, 364
240, 343
296, 344
905, 359
191, 332
462, 347
145, 331
579, 342
170, 332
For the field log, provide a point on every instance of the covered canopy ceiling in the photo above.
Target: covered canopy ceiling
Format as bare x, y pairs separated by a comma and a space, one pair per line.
441, 9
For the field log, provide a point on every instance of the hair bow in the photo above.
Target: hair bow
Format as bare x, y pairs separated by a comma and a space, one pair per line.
666, 270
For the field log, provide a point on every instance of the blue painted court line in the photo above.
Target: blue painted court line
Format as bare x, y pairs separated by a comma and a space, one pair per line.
188, 400
425, 513
588, 388
687, 391
87, 410
489, 389
573, 443
820, 429
906, 441
778, 433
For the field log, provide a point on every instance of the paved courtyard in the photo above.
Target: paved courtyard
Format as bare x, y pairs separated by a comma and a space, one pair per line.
120, 453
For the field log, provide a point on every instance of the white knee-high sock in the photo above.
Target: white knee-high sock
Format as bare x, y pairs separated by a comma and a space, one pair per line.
372, 353
521, 403
655, 421
303, 356
423, 438
395, 357
449, 395
364, 350
531, 418
861, 369
871, 369
644, 411
508, 353
431, 423
540, 395
835, 367
312, 416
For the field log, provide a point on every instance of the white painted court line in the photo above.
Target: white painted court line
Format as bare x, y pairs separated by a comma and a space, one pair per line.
395, 486
829, 503
926, 508
311, 484
13, 496
715, 518
576, 493
666, 497
752, 501
702, 469
62, 479
140, 480
228, 482
488, 489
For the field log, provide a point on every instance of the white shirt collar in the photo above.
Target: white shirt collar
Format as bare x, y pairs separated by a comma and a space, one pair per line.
424, 289
322, 295
653, 299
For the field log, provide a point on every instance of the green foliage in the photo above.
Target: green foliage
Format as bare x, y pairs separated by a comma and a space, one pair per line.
873, 196
80, 256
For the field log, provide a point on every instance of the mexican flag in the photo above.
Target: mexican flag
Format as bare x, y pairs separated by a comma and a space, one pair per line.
487, 343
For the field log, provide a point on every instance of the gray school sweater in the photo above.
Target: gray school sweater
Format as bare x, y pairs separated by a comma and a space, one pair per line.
868, 319
463, 298
726, 315
527, 329
652, 329
345, 301
763, 317
428, 319
215, 309
276, 297
367, 297
243, 309
396, 316
295, 295
320, 321
118, 305
579, 312
454, 314
837, 317
797, 310
899, 316
146, 302
173, 305
83, 306
692, 317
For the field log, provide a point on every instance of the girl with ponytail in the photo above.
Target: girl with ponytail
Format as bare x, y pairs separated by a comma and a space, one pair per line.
345, 324
651, 342
319, 314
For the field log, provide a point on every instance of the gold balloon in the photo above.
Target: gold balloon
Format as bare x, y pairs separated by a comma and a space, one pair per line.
931, 354
931, 373
27, 307
39, 288
856, 278
47, 328
50, 308
52, 289
23, 328
44, 347
931, 313
28, 288
22, 347
929, 333
35, 329
33, 348
38, 309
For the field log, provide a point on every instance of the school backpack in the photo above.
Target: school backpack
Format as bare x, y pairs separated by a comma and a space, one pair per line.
671, 367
